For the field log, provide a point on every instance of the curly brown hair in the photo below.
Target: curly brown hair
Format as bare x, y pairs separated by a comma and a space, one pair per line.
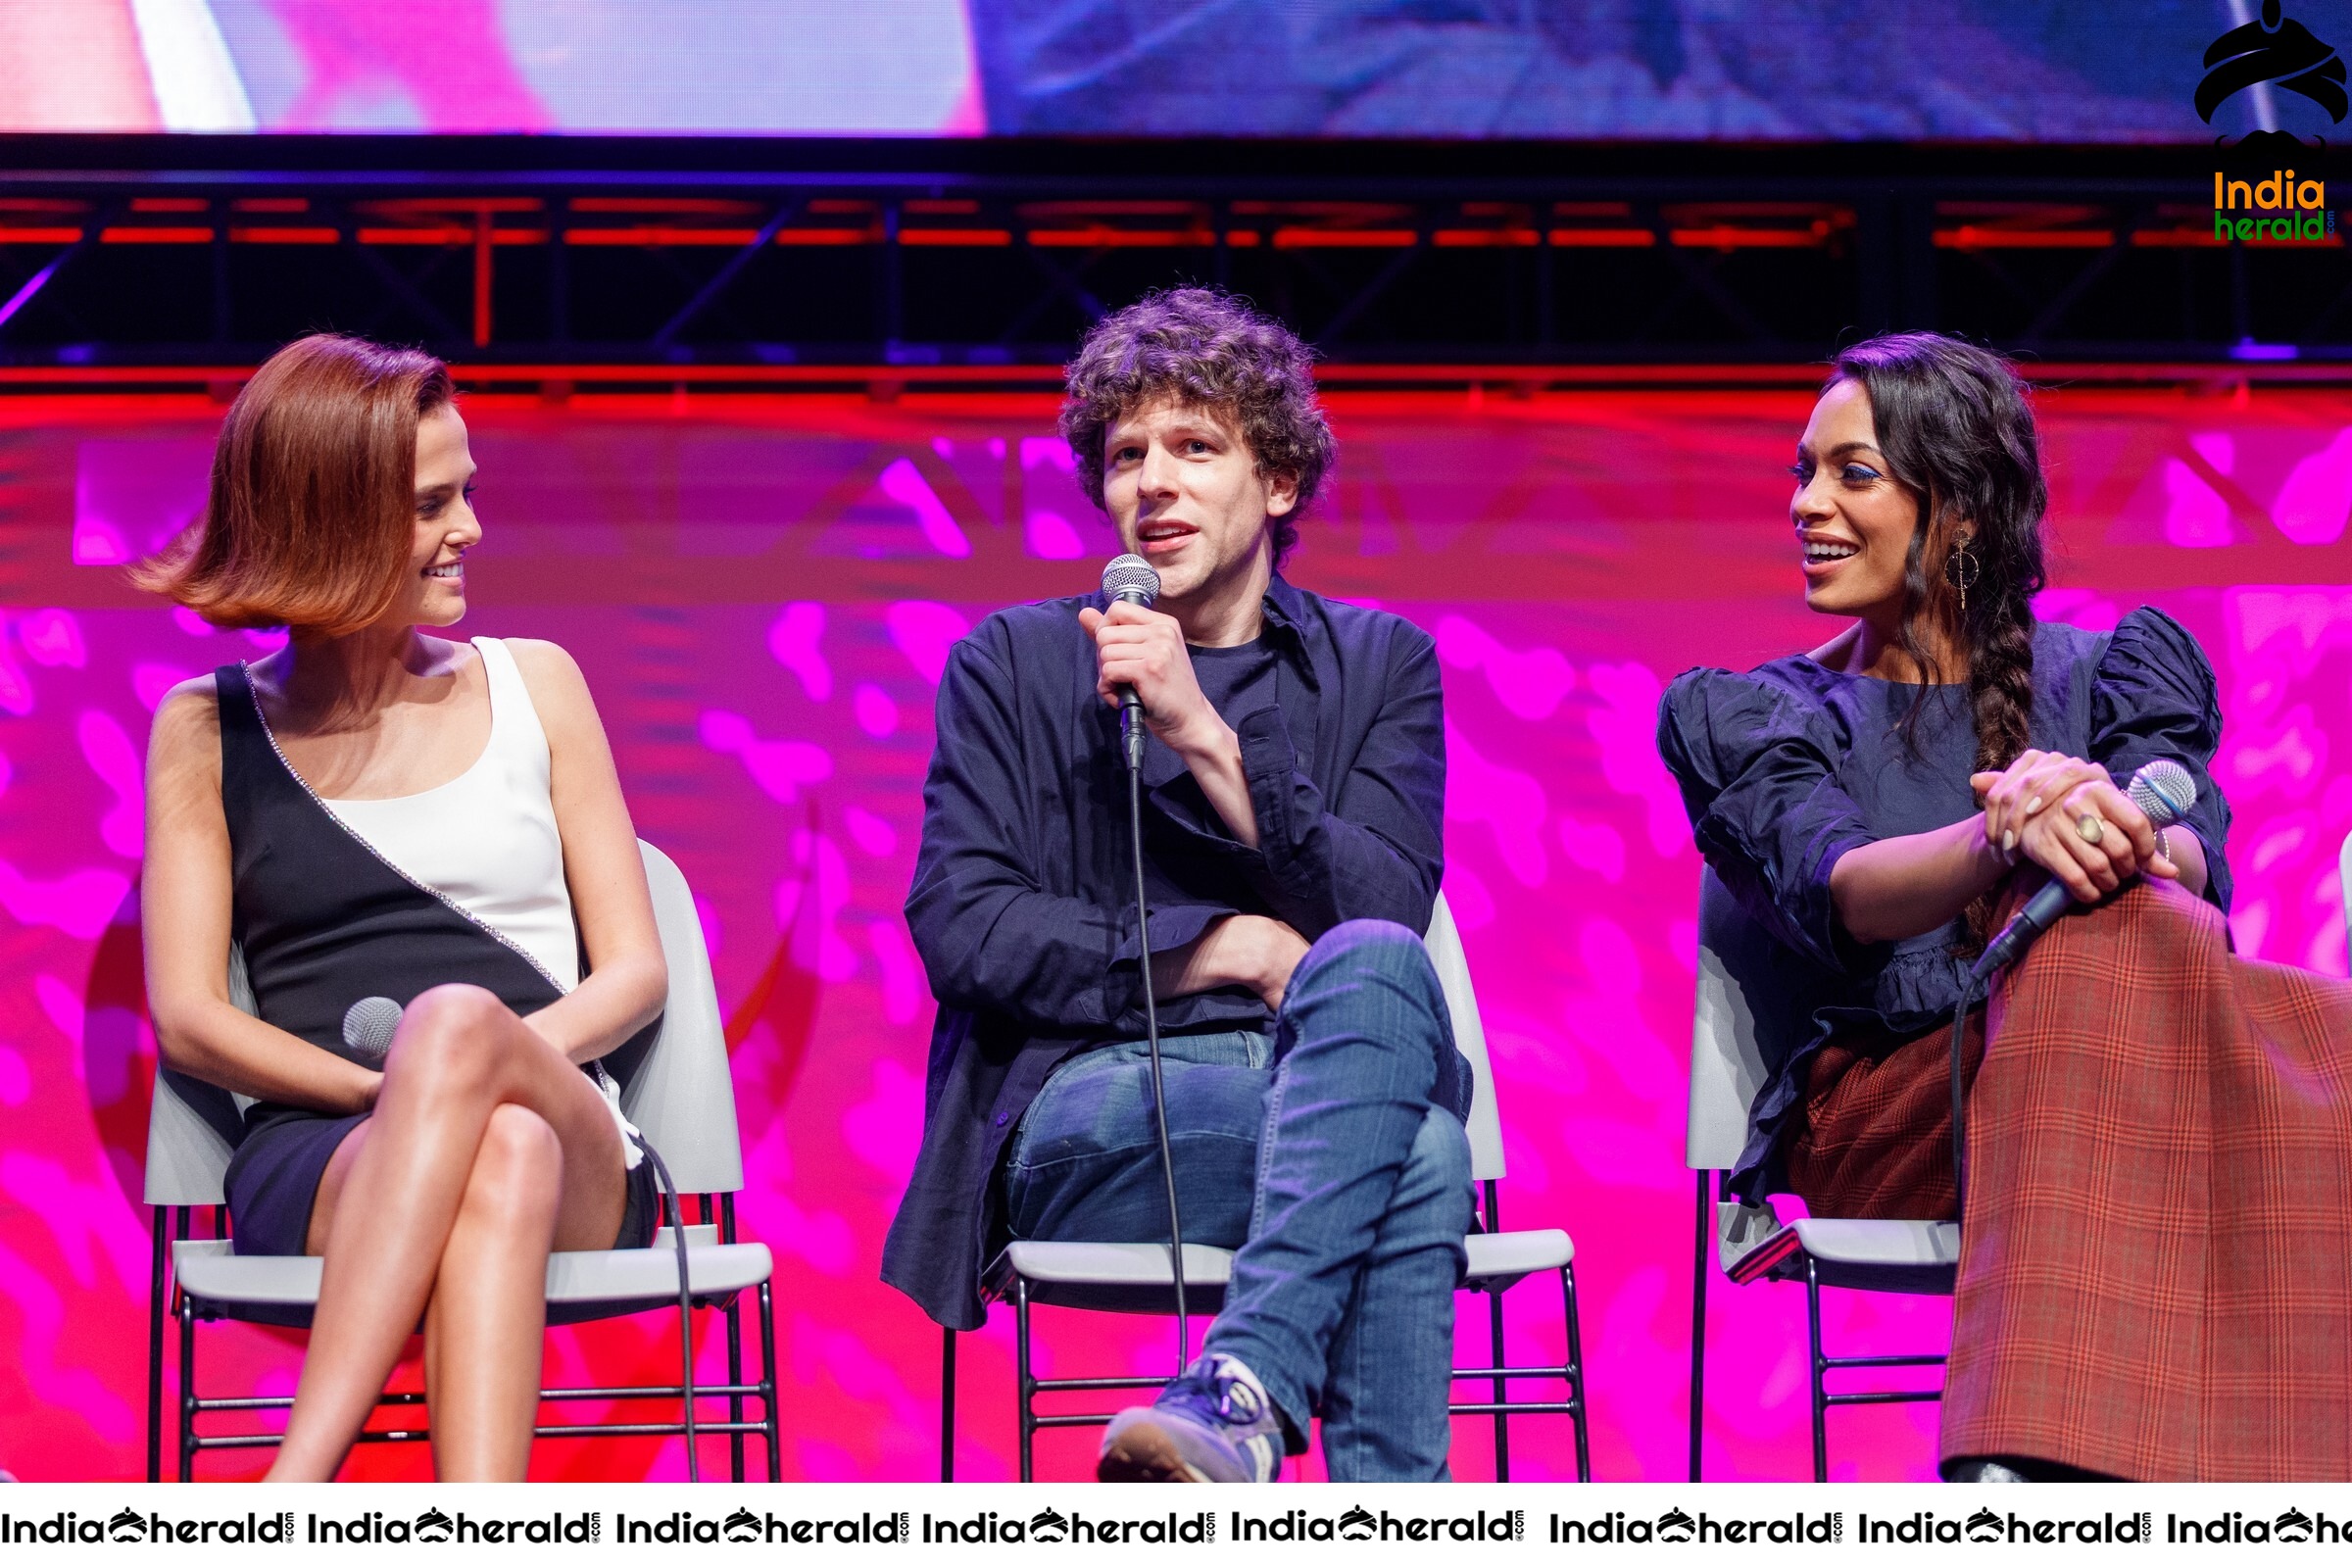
1209, 350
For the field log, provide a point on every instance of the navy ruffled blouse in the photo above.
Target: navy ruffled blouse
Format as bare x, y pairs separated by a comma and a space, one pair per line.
1785, 768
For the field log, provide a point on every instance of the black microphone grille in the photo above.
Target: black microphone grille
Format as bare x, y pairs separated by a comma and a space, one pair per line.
1131, 576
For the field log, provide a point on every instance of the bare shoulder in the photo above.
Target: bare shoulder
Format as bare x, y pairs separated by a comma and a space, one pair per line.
545, 663
184, 746
559, 691
189, 716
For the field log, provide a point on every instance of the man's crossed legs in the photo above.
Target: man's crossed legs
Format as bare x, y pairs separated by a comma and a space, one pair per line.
1332, 1157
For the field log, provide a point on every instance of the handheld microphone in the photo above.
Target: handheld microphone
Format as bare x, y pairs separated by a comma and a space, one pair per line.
368, 1030
2164, 790
1129, 579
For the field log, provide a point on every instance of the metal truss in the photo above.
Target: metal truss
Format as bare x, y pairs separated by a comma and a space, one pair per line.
799, 256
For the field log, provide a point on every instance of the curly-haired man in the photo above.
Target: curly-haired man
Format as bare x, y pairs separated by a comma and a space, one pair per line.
1294, 783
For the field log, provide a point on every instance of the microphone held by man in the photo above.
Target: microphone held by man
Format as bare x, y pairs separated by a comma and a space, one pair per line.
1130, 580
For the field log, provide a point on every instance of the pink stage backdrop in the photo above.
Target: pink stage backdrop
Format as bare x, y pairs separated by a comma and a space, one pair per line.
762, 590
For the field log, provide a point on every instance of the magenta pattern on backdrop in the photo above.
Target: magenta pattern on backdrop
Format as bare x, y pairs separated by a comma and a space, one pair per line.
763, 592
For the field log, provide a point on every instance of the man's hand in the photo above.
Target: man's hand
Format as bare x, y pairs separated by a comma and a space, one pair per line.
1246, 949
1144, 649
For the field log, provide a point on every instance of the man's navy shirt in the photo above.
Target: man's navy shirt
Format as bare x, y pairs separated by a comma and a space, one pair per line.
1023, 898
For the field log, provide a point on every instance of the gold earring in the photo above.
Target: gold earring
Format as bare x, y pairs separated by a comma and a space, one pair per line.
1961, 569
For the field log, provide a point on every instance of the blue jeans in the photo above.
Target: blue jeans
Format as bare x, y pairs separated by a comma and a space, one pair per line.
1331, 1156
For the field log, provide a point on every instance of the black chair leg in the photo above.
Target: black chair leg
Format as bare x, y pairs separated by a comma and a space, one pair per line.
1821, 1391
773, 1381
1503, 1388
726, 1235
734, 1315
1576, 1361
1699, 1324
1026, 1384
155, 1351
187, 1385
1490, 1220
947, 1405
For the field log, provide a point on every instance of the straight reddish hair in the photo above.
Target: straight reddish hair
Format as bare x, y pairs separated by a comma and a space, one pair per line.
312, 509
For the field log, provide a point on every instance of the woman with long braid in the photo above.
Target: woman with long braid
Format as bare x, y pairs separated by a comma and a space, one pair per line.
2155, 1272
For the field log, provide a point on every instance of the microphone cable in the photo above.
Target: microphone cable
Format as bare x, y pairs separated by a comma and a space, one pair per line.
1130, 579
1159, 1097
665, 1191
668, 1193
1968, 990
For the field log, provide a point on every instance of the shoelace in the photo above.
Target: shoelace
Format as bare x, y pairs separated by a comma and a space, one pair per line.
1238, 1403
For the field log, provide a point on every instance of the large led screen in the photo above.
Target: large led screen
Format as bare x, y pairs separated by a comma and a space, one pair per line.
2093, 70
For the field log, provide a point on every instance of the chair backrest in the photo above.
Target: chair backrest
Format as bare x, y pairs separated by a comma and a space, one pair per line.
192, 1126
1446, 955
681, 1097
1727, 1058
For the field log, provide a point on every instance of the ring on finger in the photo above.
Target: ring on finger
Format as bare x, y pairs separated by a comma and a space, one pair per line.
2088, 828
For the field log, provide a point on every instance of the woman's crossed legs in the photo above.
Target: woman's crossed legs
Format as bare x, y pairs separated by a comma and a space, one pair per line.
487, 1150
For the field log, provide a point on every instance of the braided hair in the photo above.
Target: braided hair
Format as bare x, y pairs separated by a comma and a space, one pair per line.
1954, 426
1953, 423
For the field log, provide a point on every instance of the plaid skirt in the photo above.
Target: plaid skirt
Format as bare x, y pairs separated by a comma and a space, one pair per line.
2156, 1262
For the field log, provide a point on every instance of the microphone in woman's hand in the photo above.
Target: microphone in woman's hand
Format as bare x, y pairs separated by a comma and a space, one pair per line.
368, 1030
2164, 790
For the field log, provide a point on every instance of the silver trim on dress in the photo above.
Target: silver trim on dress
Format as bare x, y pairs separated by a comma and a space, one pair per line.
357, 837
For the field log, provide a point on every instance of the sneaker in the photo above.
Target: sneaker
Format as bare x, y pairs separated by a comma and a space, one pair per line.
1215, 1423
1973, 1470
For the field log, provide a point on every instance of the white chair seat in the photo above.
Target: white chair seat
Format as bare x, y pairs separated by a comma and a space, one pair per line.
1912, 1256
1075, 1273
609, 1284
1115, 1263
1111, 1276
1504, 1258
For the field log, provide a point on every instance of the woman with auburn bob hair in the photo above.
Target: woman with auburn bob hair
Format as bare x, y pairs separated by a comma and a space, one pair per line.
376, 811
2155, 1271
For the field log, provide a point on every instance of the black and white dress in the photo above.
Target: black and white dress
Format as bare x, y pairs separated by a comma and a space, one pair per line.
337, 901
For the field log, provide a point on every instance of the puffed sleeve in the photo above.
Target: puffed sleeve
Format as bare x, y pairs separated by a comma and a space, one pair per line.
2153, 695
1756, 767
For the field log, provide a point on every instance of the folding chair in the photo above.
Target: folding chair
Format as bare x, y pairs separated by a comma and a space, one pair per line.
1134, 1277
1736, 962
681, 1098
